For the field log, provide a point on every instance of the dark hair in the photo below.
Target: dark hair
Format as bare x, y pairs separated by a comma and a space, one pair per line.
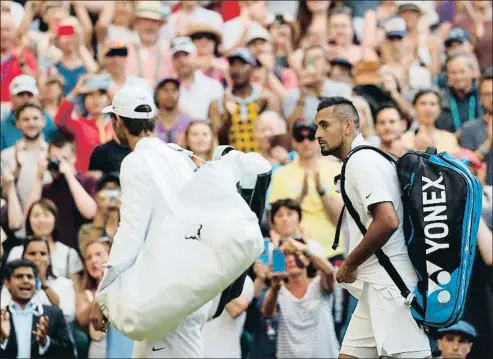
62, 138
49, 206
305, 17
287, 203
388, 105
159, 86
423, 92
12, 266
26, 105
486, 76
343, 107
49, 270
138, 125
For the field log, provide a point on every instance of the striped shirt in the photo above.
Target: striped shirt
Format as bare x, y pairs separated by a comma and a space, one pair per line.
306, 328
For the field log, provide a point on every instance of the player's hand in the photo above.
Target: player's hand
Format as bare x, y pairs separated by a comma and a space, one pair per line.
346, 273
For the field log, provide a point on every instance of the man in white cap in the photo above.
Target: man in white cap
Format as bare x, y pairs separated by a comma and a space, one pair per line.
144, 206
23, 89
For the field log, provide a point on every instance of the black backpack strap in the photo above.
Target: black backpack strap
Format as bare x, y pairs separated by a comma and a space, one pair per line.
383, 259
230, 293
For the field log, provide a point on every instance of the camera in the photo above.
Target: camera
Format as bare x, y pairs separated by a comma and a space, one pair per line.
53, 164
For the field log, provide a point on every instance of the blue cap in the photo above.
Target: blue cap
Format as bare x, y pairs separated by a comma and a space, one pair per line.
457, 34
98, 82
460, 327
244, 55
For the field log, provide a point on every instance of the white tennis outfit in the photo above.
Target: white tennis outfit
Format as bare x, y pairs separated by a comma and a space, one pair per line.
381, 325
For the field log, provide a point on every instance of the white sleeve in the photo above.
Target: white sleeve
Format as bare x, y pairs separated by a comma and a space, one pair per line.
376, 172
15, 253
75, 263
135, 214
65, 289
248, 289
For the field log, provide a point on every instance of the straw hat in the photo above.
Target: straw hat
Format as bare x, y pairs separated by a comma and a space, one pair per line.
206, 21
152, 10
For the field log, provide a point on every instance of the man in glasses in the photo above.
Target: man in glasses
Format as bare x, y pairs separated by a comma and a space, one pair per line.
309, 179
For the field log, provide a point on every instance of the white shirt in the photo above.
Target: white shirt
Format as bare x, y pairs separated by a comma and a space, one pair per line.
63, 287
222, 335
64, 259
306, 326
197, 98
369, 179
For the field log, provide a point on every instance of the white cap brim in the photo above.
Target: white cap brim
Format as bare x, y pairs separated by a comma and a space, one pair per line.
108, 109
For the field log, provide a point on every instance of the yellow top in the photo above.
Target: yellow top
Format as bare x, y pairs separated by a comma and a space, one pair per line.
444, 141
287, 182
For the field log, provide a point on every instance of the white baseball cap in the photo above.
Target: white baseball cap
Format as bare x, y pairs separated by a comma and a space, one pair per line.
183, 44
127, 99
23, 83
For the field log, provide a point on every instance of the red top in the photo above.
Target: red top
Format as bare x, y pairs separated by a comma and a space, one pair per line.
88, 133
11, 69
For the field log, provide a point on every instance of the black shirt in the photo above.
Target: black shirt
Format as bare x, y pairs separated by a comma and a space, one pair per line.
108, 157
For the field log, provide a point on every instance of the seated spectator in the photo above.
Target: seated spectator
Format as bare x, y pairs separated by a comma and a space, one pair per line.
92, 128
76, 59
341, 70
303, 304
170, 122
115, 23
22, 159
51, 334
389, 127
95, 255
107, 216
23, 89
269, 129
195, 87
43, 222
70, 191
149, 58
114, 63
107, 158
242, 105
477, 135
201, 140
205, 28
222, 335
460, 101
456, 341
313, 84
55, 291
427, 106
310, 180
15, 60
52, 94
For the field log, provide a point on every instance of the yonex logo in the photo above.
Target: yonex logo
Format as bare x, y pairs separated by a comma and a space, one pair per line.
436, 231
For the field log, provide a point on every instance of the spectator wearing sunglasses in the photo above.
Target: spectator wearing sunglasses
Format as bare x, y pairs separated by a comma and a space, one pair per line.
115, 57
309, 179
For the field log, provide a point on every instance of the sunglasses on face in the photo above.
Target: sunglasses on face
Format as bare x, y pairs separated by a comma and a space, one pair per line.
394, 38
301, 136
203, 35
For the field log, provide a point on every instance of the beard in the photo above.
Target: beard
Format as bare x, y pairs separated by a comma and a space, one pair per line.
32, 138
331, 151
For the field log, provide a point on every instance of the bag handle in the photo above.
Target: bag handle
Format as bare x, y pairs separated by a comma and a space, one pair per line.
383, 259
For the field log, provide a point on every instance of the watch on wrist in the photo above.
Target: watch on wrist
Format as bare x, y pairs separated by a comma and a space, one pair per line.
307, 253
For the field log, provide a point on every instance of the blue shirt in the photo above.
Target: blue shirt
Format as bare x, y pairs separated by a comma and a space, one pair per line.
71, 76
118, 345
10, 134
23, 326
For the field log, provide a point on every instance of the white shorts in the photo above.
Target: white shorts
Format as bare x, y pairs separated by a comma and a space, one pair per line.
382, 325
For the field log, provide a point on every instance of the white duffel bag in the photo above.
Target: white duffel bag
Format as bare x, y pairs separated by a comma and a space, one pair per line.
209, 241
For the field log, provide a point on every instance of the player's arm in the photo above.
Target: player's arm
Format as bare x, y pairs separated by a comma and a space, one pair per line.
370, 175
385, 223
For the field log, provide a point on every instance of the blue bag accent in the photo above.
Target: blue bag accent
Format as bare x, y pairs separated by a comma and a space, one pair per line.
442, 208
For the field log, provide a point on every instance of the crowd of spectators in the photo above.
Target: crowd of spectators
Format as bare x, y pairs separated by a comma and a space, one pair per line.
245, 73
